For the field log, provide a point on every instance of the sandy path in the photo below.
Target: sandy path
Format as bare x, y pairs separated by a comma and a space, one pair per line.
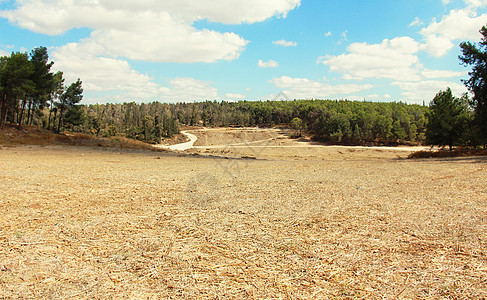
289, 144
182, 146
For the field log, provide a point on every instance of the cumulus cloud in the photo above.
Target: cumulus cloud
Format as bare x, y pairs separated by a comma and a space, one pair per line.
417, 92
476, 3
394, 59
234, 96
267, 64
55, 16
102, 74
427, 73
145, 30
285, 43
461, 24
187, 89
303, 88
149, 30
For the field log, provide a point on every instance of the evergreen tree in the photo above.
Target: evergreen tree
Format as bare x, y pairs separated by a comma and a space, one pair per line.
477, 58
71, 96
15, 84
448, 120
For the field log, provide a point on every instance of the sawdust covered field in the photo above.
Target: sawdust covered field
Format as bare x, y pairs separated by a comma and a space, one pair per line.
274, 222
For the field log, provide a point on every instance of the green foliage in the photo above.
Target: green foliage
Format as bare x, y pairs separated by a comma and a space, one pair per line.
476, 57
148, 122
68, 100
15, 83
298, 125
348, 122
448, 120
27, 86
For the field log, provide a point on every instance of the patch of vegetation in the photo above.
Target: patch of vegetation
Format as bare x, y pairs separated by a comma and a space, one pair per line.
445, 153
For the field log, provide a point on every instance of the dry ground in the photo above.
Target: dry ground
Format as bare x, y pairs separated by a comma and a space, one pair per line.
295, 223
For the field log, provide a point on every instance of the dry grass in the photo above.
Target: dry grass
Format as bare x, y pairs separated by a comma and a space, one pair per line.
228, 136
295, 223
30, 135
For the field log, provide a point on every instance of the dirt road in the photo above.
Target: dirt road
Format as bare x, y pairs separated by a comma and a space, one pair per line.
182, 146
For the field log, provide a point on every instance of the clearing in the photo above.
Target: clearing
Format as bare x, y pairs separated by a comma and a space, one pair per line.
274, 218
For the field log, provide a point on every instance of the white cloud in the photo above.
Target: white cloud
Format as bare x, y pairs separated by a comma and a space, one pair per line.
55, 16
145, 30
416, 22
188, 89
393, 59
427, 73
3, 53
303, 88
328, 34
268, 64
437, 45
285, 43
417, 92
457, 25
371, 97
234, 96
148, 29
476, 3
101, 74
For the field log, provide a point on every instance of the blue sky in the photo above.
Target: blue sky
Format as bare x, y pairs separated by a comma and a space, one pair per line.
186, 50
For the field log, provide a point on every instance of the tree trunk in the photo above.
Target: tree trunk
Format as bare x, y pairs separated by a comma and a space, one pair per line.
33, 110
60, 120
29, 111
49, 120
22, 109
3, 111
54, 121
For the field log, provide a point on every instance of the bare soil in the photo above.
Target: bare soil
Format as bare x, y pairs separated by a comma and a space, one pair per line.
267, 222
234, 136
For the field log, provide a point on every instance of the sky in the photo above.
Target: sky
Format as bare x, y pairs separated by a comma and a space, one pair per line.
187, 50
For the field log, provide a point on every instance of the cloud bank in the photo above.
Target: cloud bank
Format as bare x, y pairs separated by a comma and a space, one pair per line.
146, 30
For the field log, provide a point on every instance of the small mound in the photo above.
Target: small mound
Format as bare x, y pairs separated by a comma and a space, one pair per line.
10, 136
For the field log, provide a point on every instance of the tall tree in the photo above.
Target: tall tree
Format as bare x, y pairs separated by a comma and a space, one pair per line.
476, 56
448, 120
42, 79
15, 84
71, 96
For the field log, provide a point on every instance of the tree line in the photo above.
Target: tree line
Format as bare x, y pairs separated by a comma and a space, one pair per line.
28, 87
31, 94
345, 122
